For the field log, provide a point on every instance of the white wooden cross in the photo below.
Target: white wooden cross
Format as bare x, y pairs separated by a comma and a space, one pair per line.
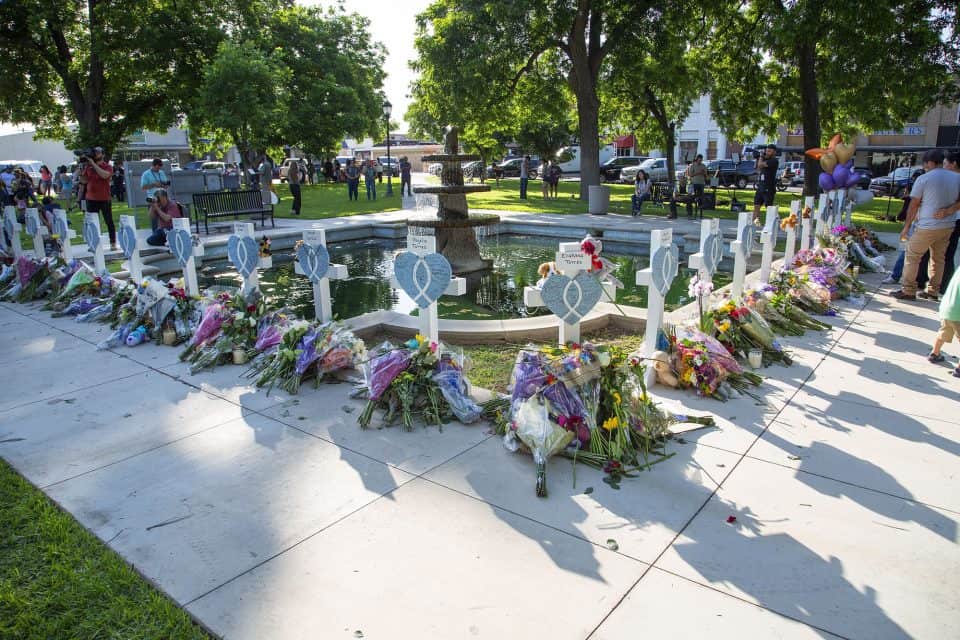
91, 223
768, 240
823, 206
741, 248
791, 235
185, 249
305, 266
579, 291
130, 245
423, 246
708, 258
37, 230
806, 224
61, 224
12, 229
657, 278
246, 258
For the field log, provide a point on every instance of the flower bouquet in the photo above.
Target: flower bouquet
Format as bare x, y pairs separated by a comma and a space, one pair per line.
419, 378
82, 283
740, 329
305, 350
34, 279
854, 242
229, 322
586, 402
704, 364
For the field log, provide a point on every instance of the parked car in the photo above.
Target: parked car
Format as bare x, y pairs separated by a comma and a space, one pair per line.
473, 169
866, 175
656, 168
896, 183
793, 172
214, 166
569, 157
730, 173
194, 165
391, 165
511, 168
610, 170
434, 169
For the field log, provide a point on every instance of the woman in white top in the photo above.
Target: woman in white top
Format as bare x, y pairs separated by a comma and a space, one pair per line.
641, 191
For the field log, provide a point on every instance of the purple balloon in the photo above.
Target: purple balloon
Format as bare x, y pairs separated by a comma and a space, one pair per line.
840, 175
849, 164
826, 182
853, 179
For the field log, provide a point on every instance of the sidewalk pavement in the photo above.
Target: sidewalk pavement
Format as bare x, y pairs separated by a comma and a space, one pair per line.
277, 517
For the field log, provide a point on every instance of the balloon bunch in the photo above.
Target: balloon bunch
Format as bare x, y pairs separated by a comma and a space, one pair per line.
837, 164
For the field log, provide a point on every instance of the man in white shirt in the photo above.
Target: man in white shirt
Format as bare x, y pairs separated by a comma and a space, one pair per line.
933, 193
524, 176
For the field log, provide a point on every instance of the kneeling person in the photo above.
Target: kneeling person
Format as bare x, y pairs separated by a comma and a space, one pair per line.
162, 212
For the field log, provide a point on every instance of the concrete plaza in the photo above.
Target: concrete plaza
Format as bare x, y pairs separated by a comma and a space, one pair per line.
277, 517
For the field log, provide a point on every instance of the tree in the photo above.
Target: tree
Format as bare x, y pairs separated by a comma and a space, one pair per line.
109, 67
310, 78
832, 66
473, 52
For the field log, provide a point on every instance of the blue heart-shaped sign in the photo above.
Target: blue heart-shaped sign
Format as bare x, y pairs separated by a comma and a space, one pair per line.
423, 278
712, 251
570, 299
181, 245
60, 227
32, 225
91, 235
746, 239
663, 268
314, 260
244, 253
127, 236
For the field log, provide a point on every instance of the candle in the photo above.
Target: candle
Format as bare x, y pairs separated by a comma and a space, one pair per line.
755, 358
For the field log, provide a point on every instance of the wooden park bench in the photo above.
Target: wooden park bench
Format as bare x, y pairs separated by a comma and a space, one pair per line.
223, 204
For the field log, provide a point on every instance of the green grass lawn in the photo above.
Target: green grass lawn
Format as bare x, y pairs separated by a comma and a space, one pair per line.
506, 198
59, 581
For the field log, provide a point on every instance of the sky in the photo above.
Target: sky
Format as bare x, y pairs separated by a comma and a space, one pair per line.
392, 24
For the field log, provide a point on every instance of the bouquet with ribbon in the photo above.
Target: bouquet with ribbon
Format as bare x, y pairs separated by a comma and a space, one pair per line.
417, 379
702, 363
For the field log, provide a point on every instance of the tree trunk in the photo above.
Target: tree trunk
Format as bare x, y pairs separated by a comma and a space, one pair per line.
670, 134
588, 108
809, 114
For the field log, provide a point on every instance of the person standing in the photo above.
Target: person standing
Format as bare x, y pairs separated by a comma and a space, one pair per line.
545, 181
98, 172
265, 171
153, 179
353, 180
949, 321
379, 168
46, 181
405, 168
524, 176
293, 179
369, 178
767, 166
697, 176
951, 163
7, 177
931, 201
555, 173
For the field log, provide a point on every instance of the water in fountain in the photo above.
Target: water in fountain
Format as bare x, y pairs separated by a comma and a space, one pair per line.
453, 226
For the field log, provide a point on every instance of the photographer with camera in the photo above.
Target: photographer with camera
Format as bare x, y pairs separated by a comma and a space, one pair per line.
767, 166
98, 172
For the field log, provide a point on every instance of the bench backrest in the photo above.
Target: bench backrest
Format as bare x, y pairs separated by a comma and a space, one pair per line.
225, 202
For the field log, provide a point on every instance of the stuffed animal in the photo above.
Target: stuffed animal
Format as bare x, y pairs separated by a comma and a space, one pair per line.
660, 361
545, 269
599, 266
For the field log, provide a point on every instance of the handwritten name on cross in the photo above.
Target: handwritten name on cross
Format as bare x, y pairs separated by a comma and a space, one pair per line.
657, 278
570, 294
313, 261
425, 275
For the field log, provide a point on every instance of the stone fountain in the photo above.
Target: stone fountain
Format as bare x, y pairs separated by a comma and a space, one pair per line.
453, 226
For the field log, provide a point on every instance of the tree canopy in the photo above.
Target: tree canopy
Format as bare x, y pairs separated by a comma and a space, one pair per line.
832, 66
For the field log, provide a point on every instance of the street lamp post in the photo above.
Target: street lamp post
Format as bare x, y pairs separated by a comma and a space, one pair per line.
387, 108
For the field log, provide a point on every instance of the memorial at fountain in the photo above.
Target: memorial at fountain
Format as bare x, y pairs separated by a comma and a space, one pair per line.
453, 226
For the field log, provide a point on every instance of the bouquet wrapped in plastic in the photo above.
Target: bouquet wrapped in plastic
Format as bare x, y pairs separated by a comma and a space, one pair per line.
419, 378
702, 363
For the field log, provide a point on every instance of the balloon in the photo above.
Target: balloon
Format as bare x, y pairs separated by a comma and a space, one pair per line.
840, 175
816, 153
834, 141
850, 165
828, 161
853, 179
826, 182
844, 152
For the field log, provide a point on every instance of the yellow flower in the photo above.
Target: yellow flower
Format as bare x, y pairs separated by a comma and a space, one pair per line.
420, 338
611, 423
724, 326
617, 398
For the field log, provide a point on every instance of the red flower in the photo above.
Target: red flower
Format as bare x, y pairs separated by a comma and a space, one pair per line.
731, 519
251, 308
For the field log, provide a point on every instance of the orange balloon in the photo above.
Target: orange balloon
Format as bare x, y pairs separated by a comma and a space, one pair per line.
834, 141
815, 152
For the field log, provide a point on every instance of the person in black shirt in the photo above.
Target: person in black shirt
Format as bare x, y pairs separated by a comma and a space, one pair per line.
767, 166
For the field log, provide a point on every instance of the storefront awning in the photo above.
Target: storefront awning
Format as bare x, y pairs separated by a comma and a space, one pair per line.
625, 142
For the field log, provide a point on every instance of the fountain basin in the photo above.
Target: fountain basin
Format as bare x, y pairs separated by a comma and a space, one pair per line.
445, 189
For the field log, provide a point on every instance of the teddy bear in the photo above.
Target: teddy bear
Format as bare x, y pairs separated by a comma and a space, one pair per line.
545, 269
